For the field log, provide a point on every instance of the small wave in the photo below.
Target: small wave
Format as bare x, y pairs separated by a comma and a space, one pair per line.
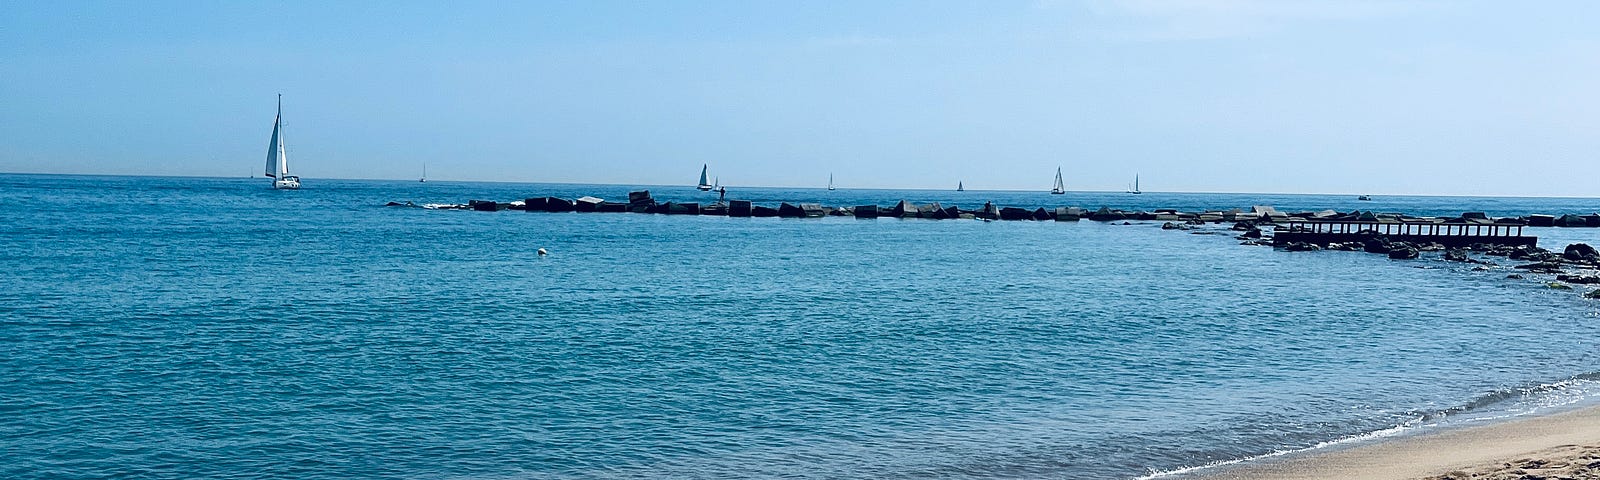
1525, 401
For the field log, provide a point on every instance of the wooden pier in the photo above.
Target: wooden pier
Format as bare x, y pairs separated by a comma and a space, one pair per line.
1458, 233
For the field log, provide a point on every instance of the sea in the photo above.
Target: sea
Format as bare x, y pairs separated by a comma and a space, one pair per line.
160, 327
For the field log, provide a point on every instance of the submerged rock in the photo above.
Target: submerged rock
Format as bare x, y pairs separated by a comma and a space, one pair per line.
1403, 251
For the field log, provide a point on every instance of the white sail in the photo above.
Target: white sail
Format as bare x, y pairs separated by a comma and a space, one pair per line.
703, 184
830, 181
274, 157
1060, 186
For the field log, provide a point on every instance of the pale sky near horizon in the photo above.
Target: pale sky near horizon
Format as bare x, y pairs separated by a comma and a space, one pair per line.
1359, 97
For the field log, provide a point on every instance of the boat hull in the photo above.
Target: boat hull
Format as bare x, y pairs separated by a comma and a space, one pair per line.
287, 183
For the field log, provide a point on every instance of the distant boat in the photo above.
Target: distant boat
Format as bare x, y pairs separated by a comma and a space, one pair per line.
424, 178
715, 184
704, 185
278, 157
830, 182
960, 187
1061, 187
1364, 197
1135, 189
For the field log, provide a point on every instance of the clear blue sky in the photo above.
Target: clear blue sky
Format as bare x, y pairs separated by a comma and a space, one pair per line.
1383, 97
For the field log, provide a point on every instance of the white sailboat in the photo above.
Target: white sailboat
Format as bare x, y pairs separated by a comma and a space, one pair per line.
1135, 189
424, 178
1060, 187
704, 186
960, 187
278, 158
830, 182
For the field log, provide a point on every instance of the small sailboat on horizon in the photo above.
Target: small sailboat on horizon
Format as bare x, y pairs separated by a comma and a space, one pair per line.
278, 156
1060, 187
960, 187
704, 186
1135, 189
424, 178
830, 182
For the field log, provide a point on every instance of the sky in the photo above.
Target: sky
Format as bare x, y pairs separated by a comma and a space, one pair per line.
1359, 97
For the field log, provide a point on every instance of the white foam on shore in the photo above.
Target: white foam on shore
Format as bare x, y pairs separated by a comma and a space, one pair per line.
1387, 432
1555, 395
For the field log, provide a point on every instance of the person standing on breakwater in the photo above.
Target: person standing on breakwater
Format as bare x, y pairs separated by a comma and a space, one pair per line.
722, 193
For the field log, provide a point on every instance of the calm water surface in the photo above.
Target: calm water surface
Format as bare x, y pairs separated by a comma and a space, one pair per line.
189, 327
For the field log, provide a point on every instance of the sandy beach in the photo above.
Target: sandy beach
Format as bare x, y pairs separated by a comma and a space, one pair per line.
1563, 445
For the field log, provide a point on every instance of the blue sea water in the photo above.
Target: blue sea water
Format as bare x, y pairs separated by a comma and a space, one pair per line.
196, 327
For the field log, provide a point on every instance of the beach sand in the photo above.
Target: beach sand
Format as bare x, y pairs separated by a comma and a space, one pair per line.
1563, 445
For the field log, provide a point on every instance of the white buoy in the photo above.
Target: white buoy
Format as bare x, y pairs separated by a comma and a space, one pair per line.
542, 252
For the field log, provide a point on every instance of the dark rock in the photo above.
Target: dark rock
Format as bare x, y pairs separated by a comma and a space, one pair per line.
1041, 214
761, 211
952, 212
1014, 213
1107, 215
813, 210
1376, 245
1253, 232
903, 209
1581, 252
1592, 294
1457, 255
1480, 215
866, 211
1245, 226
1579, 279
786, 210
1570, 220
1067, 214
1515, 276
739, 208
1591, 220
587, 204
1541, 267
484, 205
609, 207
641, 197
548, 204
1171, 226
683, 208
1403, 251
718, 209
1301, 247
1537, 220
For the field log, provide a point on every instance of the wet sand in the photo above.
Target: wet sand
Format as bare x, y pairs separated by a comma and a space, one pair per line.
1563, 445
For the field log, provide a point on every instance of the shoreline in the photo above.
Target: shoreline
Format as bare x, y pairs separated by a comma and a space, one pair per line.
1562, 442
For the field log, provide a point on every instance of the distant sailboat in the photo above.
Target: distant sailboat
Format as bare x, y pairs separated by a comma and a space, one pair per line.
704, 185
424, 178
830, 182
1061, 187
960, 187
1135, 189
278, 157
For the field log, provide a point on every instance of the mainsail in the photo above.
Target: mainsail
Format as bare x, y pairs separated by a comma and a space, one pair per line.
704, 185
277, 158
1060, 187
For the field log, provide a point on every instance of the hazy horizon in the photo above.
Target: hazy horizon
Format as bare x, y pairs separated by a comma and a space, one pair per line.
1226, 96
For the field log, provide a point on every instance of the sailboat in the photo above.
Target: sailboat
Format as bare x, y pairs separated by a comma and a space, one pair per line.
830, 182
1135, 189
704, 186
960, 187
424, 178
278, 158
1060, 187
